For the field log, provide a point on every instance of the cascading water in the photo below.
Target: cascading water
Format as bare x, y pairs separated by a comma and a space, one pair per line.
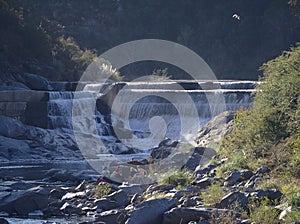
152, 100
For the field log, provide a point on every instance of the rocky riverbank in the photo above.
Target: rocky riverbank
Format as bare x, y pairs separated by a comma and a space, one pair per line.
205, 198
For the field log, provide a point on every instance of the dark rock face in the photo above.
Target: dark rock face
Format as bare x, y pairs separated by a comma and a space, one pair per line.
151, 211
25, 201
106, 204
185, 215
271, 194
234, 199
112, 216
34, 82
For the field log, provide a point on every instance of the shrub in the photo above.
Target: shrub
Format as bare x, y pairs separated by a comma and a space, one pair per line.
179, 178
102, 189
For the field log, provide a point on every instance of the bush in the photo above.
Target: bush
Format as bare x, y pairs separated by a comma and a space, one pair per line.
179, 178
261, 212
102, 189
213, 195
275, 114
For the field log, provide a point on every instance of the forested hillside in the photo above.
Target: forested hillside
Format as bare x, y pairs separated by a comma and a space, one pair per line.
77, 31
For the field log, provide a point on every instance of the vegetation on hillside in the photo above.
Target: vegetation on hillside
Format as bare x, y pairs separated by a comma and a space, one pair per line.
233, 48
269, 133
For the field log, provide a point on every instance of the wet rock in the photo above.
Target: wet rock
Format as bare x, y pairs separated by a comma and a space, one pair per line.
151, 211
25, 201
234, 199
185, 215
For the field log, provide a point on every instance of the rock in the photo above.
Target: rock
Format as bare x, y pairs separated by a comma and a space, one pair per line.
35, 214
203, 183
168, 142
133, 189
3, 221
25, 201
200, 170
246, 175
81, 186
120, 196
69, 196
193, 162
284, 213
151, 211
211, 135
112, 216
12, 128
234, 199
252, 182
105, 204
69, 208
233, 178
262, 170
271, 194
185, 215
34, 82
161, 152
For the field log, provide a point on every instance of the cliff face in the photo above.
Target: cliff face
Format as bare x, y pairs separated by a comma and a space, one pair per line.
234, 46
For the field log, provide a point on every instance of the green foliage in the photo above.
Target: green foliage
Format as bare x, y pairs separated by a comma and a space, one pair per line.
179, 178
102, 189
276, 109
262, 212
213, 195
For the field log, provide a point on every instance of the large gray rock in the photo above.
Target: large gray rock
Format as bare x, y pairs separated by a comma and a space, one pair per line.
185, 215
151, 211
34, 82
238, 176
120, 196
234, 199
25, 201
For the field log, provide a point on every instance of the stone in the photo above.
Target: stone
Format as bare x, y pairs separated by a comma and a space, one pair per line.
34, 82
233, 178
112, 216
151, 211
252, 182
185, 215
245, 175
69, 208
234, 199
70, 195
133, 189
81, 186
25, 201
120, 196
203, 183
105, 204
200, 170
262, 170
271, 194
35, 214
193, 162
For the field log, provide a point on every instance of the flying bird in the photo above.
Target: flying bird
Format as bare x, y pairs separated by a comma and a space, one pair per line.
236, 16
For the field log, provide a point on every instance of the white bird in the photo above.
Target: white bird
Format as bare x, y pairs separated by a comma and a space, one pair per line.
236, 16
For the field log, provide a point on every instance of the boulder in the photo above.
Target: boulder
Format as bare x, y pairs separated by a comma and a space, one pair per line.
151, 211
234, 199
200, 170
69, 208
120, 196
25, 201
133, 189
112, 216
203, 183
34, 82
262, 170
185, 215
233, 178
105, 204
271, 194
